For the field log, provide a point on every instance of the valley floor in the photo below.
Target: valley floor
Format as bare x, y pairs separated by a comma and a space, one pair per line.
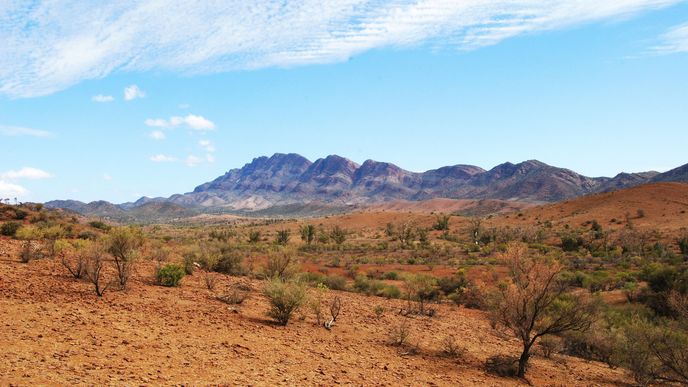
55, 331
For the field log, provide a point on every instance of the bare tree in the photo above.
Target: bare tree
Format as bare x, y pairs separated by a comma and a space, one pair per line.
535, 302
95, 264
335, 308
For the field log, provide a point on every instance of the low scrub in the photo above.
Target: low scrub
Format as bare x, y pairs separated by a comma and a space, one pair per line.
170, 275
285, 297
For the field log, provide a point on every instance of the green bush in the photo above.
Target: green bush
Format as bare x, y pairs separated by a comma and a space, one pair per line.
390, 275
285, 297
99, 225
170, 274
335, 282
10, 228
390, 291
230, 263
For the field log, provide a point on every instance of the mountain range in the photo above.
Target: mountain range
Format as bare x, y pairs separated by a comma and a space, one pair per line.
291, 180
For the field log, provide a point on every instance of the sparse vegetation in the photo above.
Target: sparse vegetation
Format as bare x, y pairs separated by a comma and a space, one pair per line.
285, 297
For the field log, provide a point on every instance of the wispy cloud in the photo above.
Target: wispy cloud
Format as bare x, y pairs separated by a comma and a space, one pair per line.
192, 160
191, 121
674, 41
157, 135
26, 173
13, 131
207, 145
10, 190
133, 92
160, 158
102, 98
107, 177
49, 46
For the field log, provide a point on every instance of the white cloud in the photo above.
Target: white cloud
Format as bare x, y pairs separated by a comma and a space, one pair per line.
674, 41
26, 173
133, 92
192, 121
210, 158
207, 145
192, 160
102, 98
11, 190
107, 177
13, 131
157, 135
160, 158
199, 122
52, 45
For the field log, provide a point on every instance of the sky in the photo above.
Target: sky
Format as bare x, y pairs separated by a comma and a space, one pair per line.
153, 98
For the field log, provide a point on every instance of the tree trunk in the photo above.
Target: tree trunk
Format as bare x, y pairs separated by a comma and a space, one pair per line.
523, 360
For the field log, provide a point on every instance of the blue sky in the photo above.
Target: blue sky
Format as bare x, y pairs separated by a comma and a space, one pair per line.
598, 87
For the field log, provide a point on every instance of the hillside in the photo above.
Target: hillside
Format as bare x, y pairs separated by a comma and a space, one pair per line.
661, 206
56, 332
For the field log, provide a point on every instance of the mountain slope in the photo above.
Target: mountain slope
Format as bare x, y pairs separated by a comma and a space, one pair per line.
290, 181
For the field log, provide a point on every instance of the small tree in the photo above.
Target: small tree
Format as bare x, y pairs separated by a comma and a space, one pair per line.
421, 288
308, 233
52, 234
285, 297
338, 235
682, 243
124, 244
476, 230
279, 265
75, 258
442, 223
282, 237
535, 303
253, 236
95, 264
29, 234
406, 234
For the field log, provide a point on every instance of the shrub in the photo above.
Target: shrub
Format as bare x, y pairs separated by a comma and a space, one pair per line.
123, 244
76, 265
550, 345
10, 228
390, 291
282, 237
235, 296
95, 264
338, 235
450, 347
398, 334
285, 297
99, 225
230, 263
254, 236
279, 265
421, 288
170, 274
390, 275
335, 282
20, 214
210, 280
683, 244
367, 286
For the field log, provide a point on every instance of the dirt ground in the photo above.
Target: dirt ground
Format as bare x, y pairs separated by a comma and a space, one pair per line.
55, 331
